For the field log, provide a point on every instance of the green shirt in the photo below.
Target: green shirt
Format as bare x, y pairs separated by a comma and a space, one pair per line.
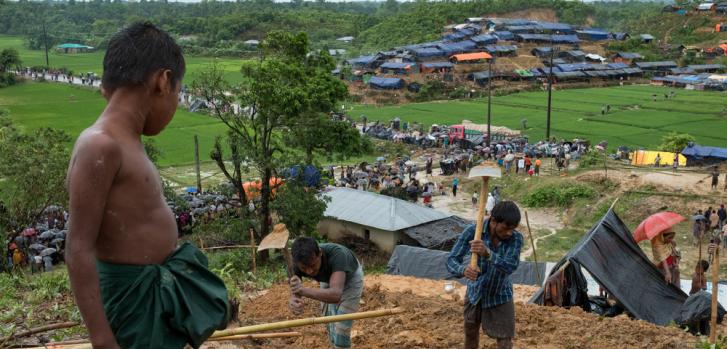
335, 258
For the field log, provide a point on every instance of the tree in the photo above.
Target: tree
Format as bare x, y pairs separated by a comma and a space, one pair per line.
33, 166
287, 89
299, 207
675, 142
9, 58
320, 135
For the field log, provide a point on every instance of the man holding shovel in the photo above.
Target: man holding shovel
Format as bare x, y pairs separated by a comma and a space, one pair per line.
341, 283
489, 297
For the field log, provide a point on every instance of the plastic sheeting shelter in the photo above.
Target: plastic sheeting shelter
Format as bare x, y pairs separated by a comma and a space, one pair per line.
484, 39
615, 261
471, 57
698, 154
436, 66
386, 83
428, 52
438, 235
648, 158
432, 264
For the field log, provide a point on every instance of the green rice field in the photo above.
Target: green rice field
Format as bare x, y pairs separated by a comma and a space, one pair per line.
635, 119
35, 105
92, 62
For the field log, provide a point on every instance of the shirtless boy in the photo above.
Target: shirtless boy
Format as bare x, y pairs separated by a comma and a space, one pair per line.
133, 286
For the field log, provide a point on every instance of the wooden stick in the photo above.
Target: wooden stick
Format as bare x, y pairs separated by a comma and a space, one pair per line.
306, 322
254, 249
40, 329
613, 204
257, 336
715, 290
532, 243
226, 247
480, 217
84, 344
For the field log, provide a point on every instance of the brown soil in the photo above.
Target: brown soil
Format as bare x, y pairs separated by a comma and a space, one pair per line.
538, 14
432, 321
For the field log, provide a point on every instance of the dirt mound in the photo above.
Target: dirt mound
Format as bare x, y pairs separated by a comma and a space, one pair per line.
436, 322
537, 14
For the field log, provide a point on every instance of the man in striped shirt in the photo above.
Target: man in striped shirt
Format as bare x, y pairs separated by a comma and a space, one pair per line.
489, 301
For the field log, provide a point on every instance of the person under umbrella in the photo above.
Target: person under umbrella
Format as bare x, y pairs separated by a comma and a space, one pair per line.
658, 228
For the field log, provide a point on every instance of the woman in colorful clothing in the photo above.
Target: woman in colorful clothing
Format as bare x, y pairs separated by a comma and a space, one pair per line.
666, 256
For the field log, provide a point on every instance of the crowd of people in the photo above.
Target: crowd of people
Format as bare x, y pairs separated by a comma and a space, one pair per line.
41, 245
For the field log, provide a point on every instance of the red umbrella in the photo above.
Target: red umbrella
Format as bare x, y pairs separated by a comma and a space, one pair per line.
656, 224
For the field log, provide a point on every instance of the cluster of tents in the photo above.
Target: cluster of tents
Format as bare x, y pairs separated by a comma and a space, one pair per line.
483, 36
609, 255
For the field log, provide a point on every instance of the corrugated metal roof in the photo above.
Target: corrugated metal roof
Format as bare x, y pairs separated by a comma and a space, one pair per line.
377, 211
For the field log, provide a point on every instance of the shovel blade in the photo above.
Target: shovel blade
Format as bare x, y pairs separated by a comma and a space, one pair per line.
278, 238
486, 170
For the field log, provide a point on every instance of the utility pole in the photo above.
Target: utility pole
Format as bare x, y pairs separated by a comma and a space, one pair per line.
550, 90
489, 100
45, 40
196, 164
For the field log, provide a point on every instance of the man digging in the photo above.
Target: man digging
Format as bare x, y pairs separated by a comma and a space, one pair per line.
489, 297
341, 283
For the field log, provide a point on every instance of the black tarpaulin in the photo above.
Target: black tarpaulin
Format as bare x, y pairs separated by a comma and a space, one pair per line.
611, 256
432, 264
438, 235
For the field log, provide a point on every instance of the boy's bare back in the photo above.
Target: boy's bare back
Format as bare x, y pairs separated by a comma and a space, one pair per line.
136, 225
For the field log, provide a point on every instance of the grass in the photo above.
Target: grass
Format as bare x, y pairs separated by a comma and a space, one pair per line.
92, 62
72, 109
635, 119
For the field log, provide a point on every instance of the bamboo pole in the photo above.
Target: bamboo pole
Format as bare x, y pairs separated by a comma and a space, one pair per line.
257, 336
226, 247
480, 217
84, 344
306, 322
254, 250
532, 243
715, 291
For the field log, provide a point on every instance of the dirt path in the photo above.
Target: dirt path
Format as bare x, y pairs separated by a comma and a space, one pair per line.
529, 251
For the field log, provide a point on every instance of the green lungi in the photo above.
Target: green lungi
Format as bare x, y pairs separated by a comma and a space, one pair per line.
164, 305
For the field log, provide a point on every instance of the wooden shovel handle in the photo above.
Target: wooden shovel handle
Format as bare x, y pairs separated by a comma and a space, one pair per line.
480, 216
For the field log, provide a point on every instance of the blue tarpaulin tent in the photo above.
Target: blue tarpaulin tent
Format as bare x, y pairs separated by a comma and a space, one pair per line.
541, 51
484, 39
437, 65
428, 52
458, 47
455, 36
397, 68
565, 39
505, 35
697, 154
662, 65
362, 61
533, 37
395, 65
555, 27
527, 28
618, 65
386, 83
500, 50
310, 175
593, 34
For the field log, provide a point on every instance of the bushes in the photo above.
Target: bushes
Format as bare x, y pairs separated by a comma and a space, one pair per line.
7, 79
558, 195
590, 159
